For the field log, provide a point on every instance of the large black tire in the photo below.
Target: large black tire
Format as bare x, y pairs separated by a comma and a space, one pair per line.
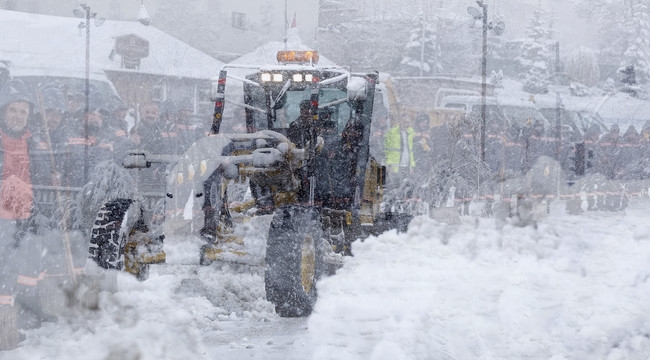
115, 222
215, 209
294, 260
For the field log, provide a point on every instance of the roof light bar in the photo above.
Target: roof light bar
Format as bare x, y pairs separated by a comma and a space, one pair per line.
291, 56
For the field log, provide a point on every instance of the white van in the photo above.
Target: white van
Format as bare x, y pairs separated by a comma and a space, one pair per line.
467, 103
471, 105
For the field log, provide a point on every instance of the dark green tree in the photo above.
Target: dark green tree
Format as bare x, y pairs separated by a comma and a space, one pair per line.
536, 56
421, 52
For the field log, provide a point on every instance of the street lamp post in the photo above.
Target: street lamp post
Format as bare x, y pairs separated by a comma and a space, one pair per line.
483, 78
498, 29
87, 14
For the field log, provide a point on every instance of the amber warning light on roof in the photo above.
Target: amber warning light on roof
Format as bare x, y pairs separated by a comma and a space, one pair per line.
291, 56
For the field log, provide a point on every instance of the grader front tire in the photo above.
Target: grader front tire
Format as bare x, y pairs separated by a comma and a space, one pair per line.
116, 236
294, 260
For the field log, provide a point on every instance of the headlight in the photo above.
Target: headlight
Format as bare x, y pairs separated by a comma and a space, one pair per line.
297, 77
277, 77
266, 77
190, 172
309, 77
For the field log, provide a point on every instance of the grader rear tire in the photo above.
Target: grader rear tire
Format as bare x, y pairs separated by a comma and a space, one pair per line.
294, 260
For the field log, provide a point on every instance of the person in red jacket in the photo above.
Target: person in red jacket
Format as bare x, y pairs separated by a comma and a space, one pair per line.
20, 255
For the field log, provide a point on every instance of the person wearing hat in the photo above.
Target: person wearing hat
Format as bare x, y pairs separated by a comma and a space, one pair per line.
118, 128
188, 131
20, 255
185, 109
422, 144
325, 129
51, 123
398, 149
301, 130
335, 168
51, 119
150, 128
117, 121
16, 106
89, 143
174, 136
176, 131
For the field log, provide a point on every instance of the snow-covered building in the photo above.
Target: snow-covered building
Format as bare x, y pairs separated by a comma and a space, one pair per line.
223, 29
266, 53
143, 62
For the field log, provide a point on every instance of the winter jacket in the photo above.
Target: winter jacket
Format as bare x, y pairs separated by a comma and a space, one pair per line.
422, 149
20, 168
335, 169
301, 132
150, 137
393, 147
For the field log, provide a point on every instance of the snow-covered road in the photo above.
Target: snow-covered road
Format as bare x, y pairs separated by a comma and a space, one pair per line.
574, 288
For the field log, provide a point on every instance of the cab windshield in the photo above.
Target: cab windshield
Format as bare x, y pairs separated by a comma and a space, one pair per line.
286, 107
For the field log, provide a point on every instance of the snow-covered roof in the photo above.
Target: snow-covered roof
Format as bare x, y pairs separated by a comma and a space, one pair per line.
46, 42
266, 54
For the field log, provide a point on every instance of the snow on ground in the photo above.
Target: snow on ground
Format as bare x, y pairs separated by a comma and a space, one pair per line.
575, 287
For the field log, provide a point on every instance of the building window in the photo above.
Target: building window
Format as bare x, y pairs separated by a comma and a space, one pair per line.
158, 92
238, 20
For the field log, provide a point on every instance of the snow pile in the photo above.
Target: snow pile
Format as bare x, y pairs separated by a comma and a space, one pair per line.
165, 317
574, 288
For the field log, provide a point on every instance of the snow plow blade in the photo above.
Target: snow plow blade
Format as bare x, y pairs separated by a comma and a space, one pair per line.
212, 252
228, 247
141, 250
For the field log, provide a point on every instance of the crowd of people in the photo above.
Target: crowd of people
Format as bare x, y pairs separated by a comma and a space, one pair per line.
49, 137
437, 158
70, 132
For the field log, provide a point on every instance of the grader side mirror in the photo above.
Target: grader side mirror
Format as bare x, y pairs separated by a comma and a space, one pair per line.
136, 160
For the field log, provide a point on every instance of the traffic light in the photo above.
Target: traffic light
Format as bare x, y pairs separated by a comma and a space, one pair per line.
579, 159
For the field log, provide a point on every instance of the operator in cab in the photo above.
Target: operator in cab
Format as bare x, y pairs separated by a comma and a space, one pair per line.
301, 130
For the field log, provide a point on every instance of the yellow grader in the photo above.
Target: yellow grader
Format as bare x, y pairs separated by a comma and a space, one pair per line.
322, 194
